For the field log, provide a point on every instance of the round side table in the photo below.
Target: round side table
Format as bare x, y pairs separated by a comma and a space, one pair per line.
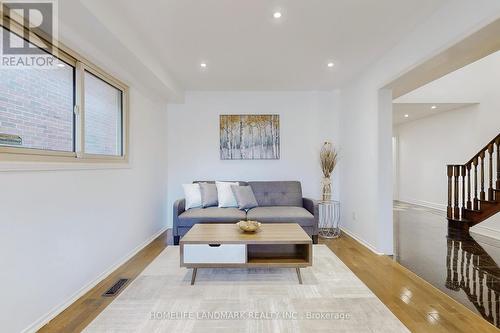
329, 219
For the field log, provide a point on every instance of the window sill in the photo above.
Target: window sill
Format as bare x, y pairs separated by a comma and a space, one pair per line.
10, 166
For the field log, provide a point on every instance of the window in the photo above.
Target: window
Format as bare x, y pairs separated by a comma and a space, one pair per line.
103, 117
72, 110
36, 107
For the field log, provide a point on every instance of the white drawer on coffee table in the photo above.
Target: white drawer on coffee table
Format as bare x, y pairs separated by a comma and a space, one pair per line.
222, 254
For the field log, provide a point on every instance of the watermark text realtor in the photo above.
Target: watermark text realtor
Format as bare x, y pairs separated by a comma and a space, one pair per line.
20, 45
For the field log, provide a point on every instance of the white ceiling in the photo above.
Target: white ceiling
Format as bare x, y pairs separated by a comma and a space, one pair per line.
417, 111
470, 85
246, 49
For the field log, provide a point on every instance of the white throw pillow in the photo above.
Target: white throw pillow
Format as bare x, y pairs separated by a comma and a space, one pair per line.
192, 194
225, 195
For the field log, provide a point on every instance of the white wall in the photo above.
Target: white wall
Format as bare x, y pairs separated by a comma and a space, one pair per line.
307, 119
429, 144
426, 146
60, 230
395, 167
365, 197
63, 230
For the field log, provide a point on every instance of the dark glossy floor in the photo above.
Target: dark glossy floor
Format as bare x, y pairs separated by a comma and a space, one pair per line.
449, 259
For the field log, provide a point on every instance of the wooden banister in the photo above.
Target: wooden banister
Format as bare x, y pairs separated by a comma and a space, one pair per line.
449, 209
490, 169
463, 174
473, 184
482, 194
498, 162
469, 202
496, 139
456, 174
476, 200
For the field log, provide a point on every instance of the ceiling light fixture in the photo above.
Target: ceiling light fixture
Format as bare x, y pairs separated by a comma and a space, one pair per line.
330, 65
407, 116
277, 15
434, 107
203, 65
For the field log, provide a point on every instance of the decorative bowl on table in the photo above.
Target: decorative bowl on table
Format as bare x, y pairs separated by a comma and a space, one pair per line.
249, 226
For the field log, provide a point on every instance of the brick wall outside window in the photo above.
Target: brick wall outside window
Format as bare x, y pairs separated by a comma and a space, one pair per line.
102, 117
37, 105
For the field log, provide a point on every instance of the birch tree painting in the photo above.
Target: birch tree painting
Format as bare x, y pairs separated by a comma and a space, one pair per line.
250, 137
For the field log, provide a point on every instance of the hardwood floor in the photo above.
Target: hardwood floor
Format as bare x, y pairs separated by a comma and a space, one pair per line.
421, 307
76, 317
417, 304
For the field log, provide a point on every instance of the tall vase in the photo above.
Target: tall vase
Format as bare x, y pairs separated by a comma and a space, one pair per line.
327, 189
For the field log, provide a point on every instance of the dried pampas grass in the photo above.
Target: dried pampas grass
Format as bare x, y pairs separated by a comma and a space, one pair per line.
328, 159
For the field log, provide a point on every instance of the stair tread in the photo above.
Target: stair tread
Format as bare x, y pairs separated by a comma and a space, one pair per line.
461, 220
482, 210
460, 223
489, 201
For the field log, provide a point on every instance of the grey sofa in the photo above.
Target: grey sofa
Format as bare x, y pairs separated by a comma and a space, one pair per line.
279, 202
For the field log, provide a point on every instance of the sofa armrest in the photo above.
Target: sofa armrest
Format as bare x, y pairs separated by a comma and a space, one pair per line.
312, 207
179, 208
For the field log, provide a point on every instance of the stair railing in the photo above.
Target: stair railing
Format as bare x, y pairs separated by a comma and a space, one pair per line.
473, 182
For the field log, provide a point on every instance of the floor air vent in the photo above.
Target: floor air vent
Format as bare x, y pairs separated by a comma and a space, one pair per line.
113, 291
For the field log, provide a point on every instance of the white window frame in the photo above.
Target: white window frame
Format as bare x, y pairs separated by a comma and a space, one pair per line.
81, 65
81, 68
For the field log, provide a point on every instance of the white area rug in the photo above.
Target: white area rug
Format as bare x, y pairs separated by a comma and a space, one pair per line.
332, 299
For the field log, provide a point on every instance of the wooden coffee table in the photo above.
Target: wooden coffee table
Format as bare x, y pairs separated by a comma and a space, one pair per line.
283, 245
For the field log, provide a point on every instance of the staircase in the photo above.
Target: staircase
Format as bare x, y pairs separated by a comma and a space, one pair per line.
474, 187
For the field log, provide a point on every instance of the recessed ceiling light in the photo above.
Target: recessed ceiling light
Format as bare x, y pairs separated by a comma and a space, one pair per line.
407, 116
203, 65
277, 15
330, 65
434, 107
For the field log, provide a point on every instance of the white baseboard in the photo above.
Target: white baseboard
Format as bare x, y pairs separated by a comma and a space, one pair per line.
427, 204
42, 321
362, 241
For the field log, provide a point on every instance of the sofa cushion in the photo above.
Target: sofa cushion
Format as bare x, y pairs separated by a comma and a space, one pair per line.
281, 215
211, 215
192, 194
277, 193
245, 197
241, 183
225, 195
209, 196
